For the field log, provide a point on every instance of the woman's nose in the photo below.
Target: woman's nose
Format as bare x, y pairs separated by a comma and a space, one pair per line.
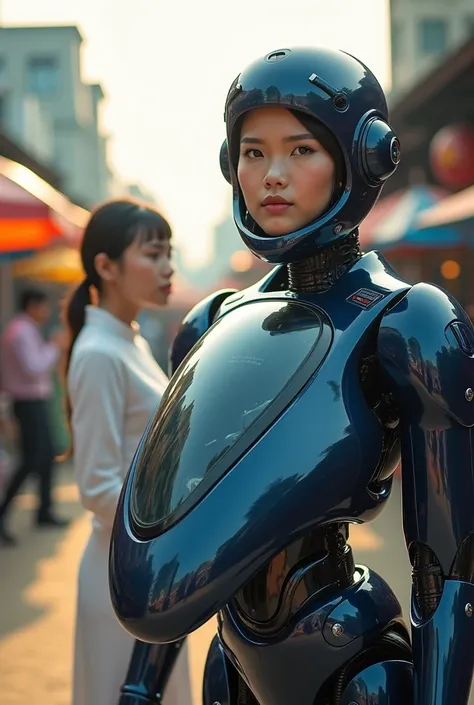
167, 269
276, 176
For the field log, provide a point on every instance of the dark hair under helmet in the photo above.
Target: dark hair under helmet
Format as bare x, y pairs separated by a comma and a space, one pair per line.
337, 91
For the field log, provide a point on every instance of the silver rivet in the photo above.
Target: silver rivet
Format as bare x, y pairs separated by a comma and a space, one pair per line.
469, 394
338, 229
468, 609
337, 629
216, 702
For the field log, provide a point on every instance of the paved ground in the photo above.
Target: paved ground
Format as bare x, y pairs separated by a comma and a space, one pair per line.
37, 596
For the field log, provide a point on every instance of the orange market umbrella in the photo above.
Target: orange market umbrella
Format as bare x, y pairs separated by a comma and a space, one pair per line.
61, 265
32, 213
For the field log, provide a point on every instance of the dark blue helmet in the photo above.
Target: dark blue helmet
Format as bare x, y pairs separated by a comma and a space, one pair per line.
343, 95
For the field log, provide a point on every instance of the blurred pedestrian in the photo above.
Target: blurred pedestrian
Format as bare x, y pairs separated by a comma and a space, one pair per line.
114, 386
27, 362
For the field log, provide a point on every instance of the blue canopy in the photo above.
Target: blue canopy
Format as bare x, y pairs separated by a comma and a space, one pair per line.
394, 222
14, 256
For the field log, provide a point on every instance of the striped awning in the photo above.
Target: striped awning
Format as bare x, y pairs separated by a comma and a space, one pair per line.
394, 221
456, 208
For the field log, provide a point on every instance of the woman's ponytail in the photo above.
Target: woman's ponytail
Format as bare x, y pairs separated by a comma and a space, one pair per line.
76, 314
75, 317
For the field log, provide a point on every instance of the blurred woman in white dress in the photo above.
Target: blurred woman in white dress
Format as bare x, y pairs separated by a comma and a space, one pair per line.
114, 385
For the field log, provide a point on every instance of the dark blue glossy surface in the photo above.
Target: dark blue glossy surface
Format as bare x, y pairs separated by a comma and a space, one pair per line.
216, 679
387, 683
430, 374
165, 587
365, 608
342, 93
443, 649
266, 352
292, 667
148, 673
194, 325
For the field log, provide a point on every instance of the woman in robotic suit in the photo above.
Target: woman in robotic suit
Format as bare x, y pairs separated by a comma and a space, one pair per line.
287, 416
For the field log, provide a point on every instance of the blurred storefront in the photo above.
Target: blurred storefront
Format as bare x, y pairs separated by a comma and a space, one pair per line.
432, 253
443, 99
35, 218
39, 232
424, 221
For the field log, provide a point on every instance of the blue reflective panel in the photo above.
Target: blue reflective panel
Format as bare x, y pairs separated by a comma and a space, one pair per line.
225, 394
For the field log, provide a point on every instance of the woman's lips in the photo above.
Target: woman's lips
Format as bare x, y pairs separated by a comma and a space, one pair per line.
277, 208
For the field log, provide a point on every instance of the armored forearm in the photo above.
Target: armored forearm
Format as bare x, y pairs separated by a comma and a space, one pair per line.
426, 347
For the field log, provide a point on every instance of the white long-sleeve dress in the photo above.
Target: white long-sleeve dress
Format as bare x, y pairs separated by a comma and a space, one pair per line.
114, 386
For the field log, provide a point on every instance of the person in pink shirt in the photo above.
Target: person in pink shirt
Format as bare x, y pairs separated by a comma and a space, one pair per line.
26, 364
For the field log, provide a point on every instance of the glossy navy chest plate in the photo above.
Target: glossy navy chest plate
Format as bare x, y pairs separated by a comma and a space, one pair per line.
241, 376
263, 434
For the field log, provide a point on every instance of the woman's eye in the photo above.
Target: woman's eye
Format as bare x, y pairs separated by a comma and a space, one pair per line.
253, 153
303, 149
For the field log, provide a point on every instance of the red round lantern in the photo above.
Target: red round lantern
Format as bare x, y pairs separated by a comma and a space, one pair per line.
452, 156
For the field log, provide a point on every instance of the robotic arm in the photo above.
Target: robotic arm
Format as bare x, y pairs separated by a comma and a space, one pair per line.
426, 348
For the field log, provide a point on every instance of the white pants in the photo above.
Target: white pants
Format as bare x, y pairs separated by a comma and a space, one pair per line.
102, 647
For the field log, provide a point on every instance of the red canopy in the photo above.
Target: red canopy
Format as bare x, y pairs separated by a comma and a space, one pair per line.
32, 213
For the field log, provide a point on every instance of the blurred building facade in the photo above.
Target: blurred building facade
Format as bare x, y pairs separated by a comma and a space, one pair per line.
422, 33
431, 109
48, 109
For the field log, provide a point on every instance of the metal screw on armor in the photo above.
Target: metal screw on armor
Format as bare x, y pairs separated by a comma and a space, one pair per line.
337, 629
469, 394
468, 610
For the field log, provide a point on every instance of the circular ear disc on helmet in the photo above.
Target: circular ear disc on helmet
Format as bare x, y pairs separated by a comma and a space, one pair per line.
225, 162
379, 151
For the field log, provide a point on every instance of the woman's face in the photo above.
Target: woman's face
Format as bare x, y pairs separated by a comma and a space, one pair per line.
141, 278
286, 176
146, 272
